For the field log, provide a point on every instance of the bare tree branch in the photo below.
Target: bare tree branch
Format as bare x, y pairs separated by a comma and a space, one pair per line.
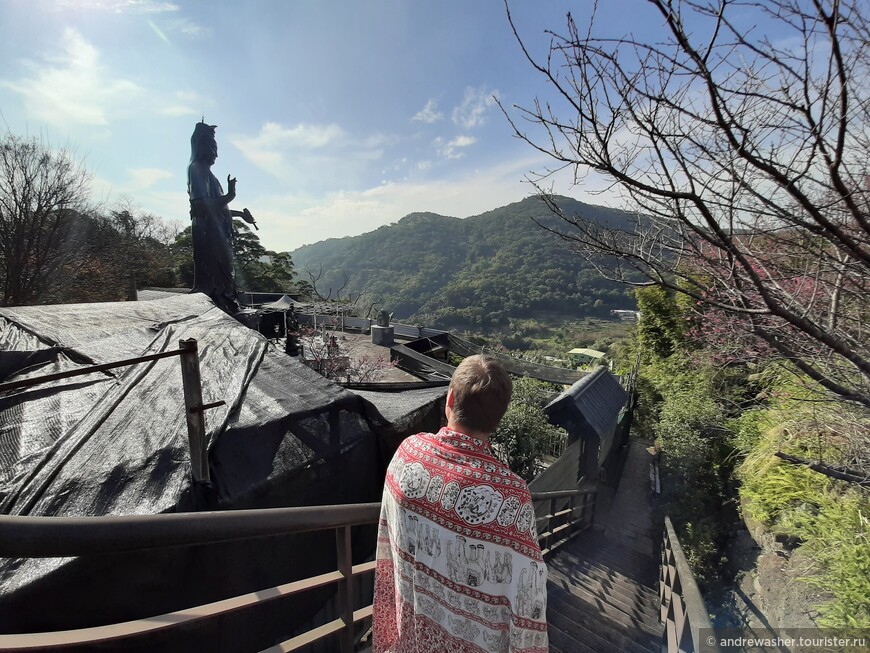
742, 160
42, 194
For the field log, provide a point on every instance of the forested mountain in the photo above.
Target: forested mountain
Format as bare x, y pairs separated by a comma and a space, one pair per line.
473, 272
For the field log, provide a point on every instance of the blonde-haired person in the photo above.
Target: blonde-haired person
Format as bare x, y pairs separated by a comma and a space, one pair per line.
478, 581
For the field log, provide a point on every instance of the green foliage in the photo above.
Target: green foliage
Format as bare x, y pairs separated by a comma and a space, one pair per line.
705, 417
141, 247
828, 517
664, 323
257, 268
477, 273
517, 342
524, 432
837, 539
536, 338
681, 404
260, 269
686, 404
182, 257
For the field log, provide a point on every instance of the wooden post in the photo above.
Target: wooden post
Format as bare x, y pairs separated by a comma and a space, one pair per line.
193, 410
571, 507
345, 587
550, 522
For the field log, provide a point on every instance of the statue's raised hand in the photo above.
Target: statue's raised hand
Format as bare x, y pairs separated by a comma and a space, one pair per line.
231, 184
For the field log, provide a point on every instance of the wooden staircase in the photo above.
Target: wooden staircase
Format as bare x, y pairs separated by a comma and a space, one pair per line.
603, 592
602, 598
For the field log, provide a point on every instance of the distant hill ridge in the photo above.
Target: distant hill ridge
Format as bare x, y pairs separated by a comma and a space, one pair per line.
475, 272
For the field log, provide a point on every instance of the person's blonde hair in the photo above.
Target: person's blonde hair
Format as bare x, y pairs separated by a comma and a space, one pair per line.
481, 393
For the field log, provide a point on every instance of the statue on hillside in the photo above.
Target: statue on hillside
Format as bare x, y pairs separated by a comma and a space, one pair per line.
212, 221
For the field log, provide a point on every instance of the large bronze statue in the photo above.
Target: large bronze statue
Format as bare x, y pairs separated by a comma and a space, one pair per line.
212, 221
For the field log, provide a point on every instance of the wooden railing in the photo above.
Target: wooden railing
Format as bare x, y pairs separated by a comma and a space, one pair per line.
39, 537
683, 612
570, 513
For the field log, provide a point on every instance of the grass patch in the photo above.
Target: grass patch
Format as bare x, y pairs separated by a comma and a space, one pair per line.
830, 518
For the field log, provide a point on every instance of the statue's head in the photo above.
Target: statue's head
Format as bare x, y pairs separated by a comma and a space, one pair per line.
203, 146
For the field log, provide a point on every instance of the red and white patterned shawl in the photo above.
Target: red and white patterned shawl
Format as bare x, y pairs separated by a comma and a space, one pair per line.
459, 568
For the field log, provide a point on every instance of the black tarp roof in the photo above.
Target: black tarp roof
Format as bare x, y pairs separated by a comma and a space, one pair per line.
594, 401
116, 443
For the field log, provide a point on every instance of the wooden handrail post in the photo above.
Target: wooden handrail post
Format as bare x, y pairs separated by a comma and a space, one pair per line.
193, 410
552, 512
345, 587
682, 606
571, 506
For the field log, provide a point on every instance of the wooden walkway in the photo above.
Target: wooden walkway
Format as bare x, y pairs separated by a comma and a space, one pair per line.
602, 589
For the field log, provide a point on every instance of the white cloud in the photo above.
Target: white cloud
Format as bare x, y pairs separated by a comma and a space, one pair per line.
274, 136
143, 178
166, 12
316, 156
73, 87
472, 111
176, 110
121, 6
190, 28
428, 114
453, 149
183, 103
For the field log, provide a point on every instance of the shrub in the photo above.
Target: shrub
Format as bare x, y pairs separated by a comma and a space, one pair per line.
830, 518
524, 432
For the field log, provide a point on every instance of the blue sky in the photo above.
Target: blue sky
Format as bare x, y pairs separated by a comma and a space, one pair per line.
336, 117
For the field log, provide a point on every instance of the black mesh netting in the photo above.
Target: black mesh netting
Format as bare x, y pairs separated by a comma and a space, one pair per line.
115, 443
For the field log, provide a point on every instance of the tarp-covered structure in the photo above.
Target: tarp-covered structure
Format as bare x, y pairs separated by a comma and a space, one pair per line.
590, 411
115, 443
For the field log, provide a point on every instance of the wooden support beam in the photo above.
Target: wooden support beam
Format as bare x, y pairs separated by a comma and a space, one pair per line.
193, 411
